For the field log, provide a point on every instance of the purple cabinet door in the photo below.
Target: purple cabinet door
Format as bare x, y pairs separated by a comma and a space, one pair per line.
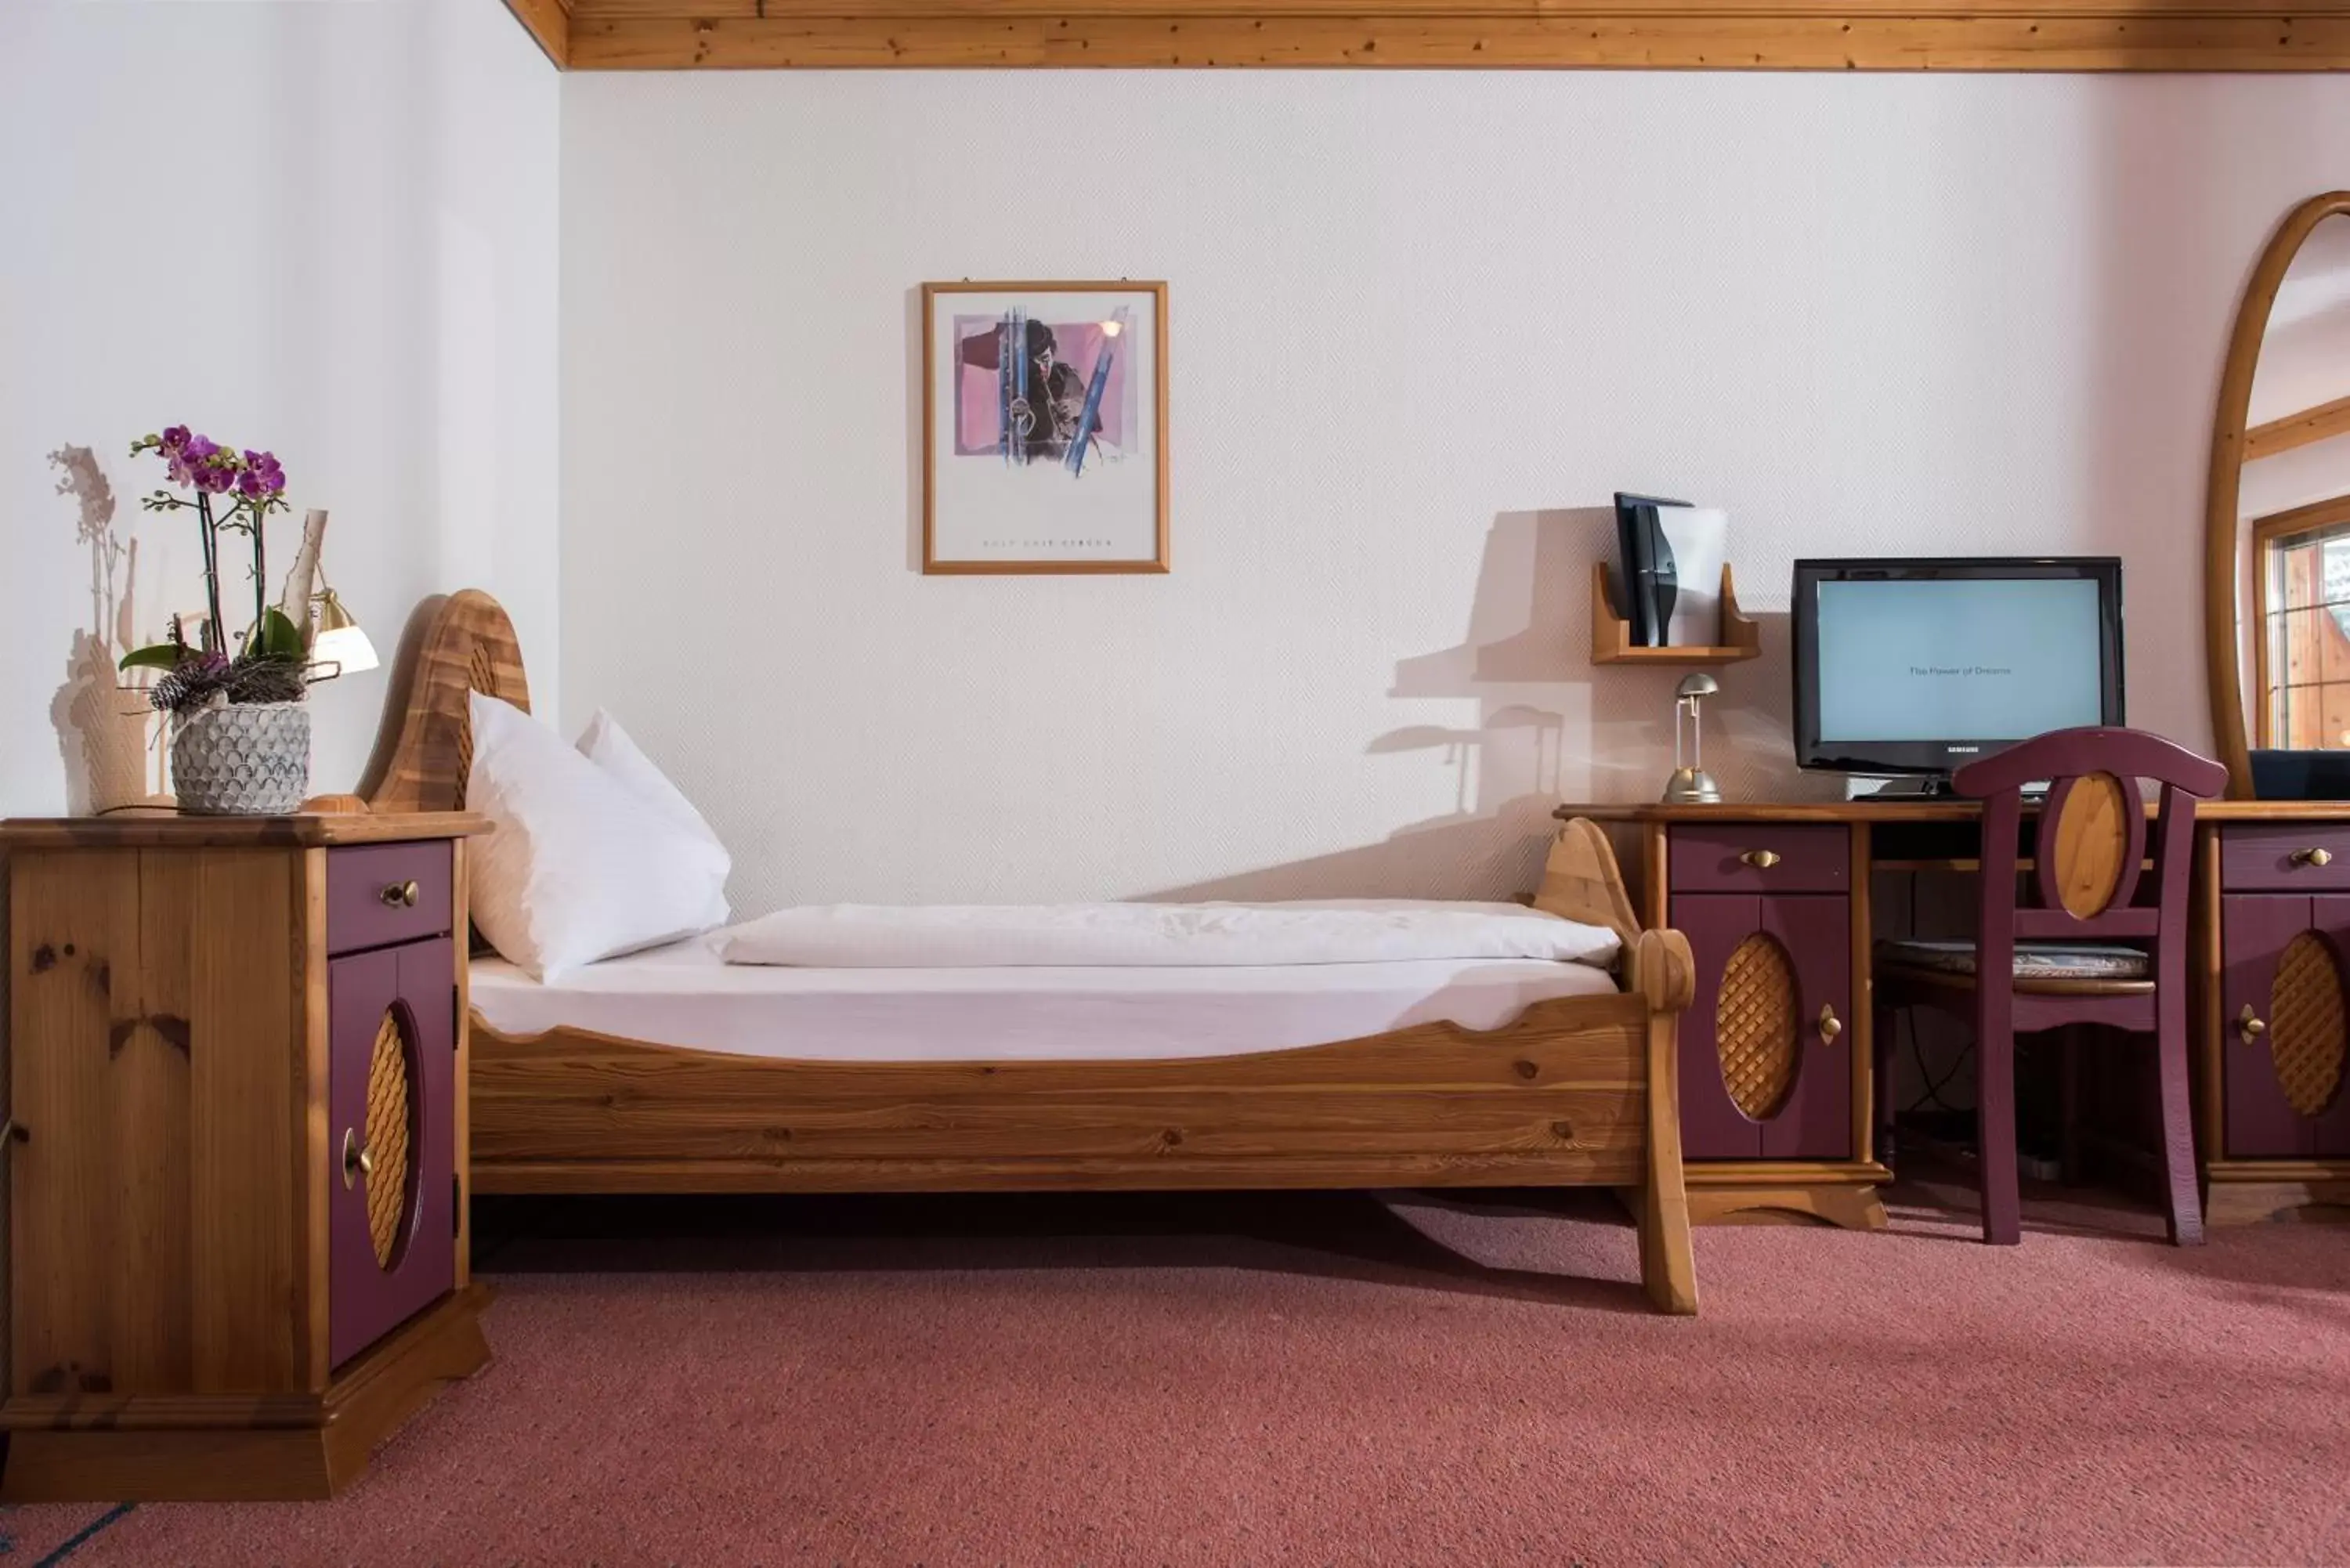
2329, 1129
1759, 1079
2255, 930
1814, 1121
1712, 1126
390, 1095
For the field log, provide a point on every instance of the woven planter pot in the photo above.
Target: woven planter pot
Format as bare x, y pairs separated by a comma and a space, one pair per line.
245, 760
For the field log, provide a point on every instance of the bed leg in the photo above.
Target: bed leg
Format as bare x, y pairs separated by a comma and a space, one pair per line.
1668, 1266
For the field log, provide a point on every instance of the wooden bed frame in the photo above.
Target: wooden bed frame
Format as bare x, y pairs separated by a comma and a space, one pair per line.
1576, 1091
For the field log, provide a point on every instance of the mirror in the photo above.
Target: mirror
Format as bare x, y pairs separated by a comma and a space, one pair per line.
2277, 528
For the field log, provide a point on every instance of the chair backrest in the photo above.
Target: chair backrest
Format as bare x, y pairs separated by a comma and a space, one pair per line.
2087, 880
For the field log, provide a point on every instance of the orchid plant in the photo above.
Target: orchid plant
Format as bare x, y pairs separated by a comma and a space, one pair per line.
233, 492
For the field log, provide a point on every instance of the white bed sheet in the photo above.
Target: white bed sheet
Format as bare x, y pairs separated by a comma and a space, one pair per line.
684, 995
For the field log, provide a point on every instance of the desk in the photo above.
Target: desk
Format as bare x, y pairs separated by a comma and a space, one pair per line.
1779, 1056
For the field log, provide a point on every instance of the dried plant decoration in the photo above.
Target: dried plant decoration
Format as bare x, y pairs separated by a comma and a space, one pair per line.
106, 730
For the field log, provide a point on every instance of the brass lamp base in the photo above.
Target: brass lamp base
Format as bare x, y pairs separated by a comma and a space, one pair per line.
1691, 786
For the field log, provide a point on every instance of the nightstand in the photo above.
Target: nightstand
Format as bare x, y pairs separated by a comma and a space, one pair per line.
235, 1059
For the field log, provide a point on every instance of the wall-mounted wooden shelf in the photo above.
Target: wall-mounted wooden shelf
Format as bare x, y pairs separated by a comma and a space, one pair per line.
1611, 634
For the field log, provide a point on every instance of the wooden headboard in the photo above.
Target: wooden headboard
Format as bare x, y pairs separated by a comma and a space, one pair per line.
456, 646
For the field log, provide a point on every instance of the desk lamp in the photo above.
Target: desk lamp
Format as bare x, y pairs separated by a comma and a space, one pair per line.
1691, 783
337, 639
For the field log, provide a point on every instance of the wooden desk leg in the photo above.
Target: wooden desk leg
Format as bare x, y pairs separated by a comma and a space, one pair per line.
1887, 1021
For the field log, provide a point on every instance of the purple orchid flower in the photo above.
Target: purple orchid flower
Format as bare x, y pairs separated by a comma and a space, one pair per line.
263, 479
187, 458
209, 466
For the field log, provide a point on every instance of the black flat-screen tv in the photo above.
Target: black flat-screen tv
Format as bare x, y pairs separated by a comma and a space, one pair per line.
1920, 665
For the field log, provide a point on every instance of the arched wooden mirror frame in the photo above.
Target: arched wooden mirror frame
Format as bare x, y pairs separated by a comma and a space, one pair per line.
2223, 524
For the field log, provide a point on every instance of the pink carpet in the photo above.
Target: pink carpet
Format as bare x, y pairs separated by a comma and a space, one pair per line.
1259, 1379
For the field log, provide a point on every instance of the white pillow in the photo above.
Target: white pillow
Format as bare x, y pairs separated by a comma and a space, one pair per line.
607, 745
580, 867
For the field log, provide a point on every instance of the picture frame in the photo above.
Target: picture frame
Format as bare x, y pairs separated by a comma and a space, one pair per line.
1052, 459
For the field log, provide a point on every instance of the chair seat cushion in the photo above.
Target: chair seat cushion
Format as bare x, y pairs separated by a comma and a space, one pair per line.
2034, 960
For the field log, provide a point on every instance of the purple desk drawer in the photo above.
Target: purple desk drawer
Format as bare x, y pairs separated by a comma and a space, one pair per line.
2301, 858
1759, 858
378, 893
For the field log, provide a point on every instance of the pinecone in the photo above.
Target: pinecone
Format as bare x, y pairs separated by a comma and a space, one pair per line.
192, 684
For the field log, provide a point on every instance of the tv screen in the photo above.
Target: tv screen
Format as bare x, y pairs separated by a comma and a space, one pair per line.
1920, 666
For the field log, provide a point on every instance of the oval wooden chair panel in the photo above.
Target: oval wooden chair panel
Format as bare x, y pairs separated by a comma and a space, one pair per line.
2093, 843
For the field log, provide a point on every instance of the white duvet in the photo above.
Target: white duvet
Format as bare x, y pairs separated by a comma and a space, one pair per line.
986, 936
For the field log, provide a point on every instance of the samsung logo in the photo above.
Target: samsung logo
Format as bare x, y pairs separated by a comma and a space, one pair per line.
1962, 751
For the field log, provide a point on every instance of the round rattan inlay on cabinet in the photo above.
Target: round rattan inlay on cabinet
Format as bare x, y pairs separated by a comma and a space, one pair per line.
1756, 1027
2307, 1033
390, 1117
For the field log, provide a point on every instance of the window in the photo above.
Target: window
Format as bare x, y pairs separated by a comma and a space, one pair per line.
2301, 595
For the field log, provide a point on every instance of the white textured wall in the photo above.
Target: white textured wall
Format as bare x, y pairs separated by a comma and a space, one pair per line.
1422, 324
325, 229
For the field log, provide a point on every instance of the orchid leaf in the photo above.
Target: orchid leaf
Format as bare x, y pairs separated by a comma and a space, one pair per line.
156, 655
277, 637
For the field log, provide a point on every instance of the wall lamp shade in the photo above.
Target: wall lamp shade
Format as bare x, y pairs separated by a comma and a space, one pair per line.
339, 640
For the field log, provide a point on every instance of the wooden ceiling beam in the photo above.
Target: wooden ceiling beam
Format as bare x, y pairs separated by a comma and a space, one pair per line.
2321, 423
1887, 12
2016, 36
549, 22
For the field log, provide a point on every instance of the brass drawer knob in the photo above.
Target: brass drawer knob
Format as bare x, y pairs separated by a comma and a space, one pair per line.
398, 895
357, 1161
1830, 1024
1760, 859
2249, 1026
2312, 858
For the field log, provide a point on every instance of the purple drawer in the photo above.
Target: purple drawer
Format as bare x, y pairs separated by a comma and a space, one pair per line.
1759, 858
378, 893
2305, 858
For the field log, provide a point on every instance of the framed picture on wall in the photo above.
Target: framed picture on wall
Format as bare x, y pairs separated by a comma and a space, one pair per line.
1045, 427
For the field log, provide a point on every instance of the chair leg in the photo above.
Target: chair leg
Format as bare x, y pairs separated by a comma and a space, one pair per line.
2002, 1209
2070, 1044
2185, 1216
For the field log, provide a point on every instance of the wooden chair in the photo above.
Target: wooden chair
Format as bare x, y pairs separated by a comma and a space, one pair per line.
2027, 969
